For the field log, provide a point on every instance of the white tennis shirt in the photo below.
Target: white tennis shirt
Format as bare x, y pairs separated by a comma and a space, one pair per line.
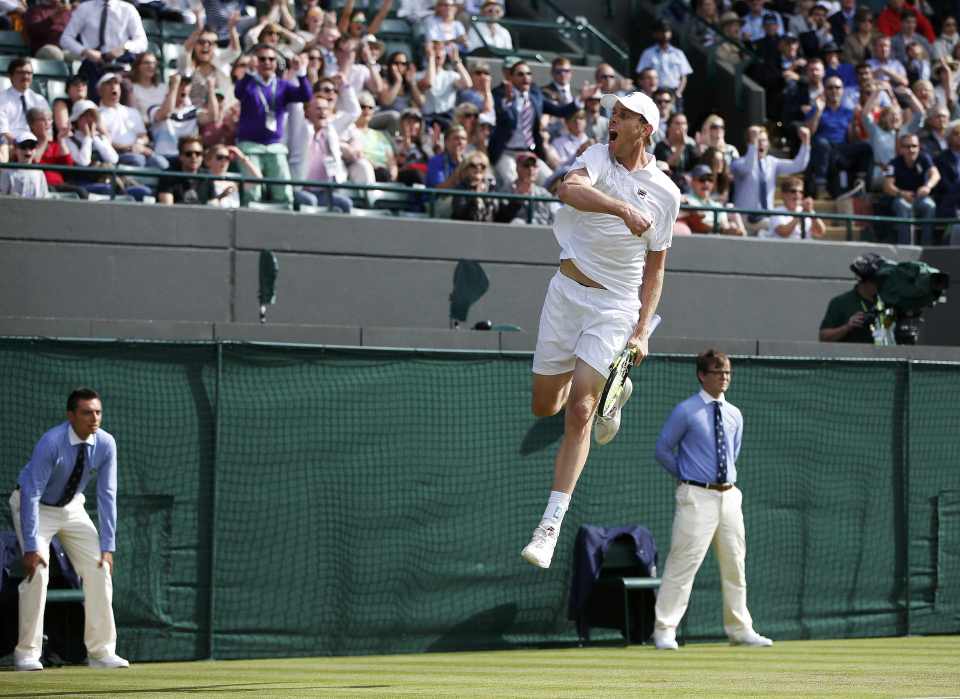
601, 245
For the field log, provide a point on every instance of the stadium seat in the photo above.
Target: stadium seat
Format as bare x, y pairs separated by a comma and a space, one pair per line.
395, 28
152, 28
50, 68
13, 43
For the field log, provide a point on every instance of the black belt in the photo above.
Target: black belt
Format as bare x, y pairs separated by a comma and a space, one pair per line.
710, 486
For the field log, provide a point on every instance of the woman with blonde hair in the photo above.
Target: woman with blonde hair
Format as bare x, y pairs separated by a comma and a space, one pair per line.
474, 176
712, 135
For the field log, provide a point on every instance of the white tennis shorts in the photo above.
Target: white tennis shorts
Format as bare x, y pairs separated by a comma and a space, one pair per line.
581, 321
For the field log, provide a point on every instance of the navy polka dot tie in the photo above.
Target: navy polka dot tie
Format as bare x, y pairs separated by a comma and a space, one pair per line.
721, 440
74, 481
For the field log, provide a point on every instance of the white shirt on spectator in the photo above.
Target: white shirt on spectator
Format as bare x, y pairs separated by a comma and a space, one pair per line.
566, 144
415, 10
442, 95
122, 124
82, 151
12, 116
671, 65
124, 28
166, 134
146, 97
892, 66
23, 183
782, 219
358, 77
332, 160
435, 29
496, 36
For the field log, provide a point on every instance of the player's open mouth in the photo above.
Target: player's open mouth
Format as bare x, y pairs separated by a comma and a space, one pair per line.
613, 135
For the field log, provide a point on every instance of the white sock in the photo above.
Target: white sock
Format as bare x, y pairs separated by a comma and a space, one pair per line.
557, 507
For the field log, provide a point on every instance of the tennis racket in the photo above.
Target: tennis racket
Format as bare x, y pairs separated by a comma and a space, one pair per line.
619, 371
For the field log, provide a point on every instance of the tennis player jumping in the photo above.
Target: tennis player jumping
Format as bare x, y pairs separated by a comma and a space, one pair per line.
614, 231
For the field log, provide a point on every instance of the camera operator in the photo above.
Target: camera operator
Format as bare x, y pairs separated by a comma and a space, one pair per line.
849, 315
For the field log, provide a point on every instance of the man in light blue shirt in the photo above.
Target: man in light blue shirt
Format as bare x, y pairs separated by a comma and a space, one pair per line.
699, 445
49, 501
670, 62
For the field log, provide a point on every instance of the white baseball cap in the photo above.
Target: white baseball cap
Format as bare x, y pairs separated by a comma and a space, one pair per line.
635, 102
81, 107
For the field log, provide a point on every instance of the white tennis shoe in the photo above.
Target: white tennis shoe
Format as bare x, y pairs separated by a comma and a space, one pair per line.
665, 640
539, 551
751, 638
108, 662
606, 428
26, 664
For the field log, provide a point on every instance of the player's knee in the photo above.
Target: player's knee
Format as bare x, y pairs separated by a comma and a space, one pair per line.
579, 414
545, 407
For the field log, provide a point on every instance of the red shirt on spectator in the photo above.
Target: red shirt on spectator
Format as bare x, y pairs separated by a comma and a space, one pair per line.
55, 155
43, 24
889, 22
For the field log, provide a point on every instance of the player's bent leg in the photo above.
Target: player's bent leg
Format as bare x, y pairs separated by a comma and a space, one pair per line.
550, 392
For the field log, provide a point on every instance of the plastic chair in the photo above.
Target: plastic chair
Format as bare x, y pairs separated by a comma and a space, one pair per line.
12, 42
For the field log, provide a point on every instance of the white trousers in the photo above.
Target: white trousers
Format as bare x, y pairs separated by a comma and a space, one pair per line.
82, 545
704, 517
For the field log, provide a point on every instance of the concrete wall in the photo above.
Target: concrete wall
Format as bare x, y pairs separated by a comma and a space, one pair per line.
185, 271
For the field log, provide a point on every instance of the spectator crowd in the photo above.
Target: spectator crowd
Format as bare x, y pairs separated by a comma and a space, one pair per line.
866, 103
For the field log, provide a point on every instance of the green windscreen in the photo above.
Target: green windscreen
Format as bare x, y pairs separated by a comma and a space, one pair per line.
293, 501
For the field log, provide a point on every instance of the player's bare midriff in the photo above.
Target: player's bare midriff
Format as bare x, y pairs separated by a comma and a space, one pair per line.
569, 269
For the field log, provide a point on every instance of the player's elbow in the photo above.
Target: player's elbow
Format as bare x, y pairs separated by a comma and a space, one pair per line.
565, 192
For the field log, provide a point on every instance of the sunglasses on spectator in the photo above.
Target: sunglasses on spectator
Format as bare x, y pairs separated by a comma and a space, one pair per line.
267, 59
529, 163
477, 166
401, 63
366, 106
607, 77
205, 42
328, 88
314, 56
562, 70
221, 156
717, 126
834, 87
191, 154
664, 101
706, 178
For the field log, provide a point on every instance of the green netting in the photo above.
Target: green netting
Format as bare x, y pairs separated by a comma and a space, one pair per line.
348, 502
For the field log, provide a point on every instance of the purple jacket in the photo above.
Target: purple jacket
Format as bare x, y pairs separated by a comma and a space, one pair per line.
255, 98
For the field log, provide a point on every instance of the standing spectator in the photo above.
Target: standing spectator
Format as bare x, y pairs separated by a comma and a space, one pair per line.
89, 146
704, 32
444, 26
784, 226
442, 169
400, 90
818, 33
889, 21
756, 18
699, 446
324, 161
520, 104
800, 95
47, 502
227, 193
730, 52
362, 75
204, 60
51, 151
837, 159
756, 173
609, 82
43, 25
273, 34
883, 133
354, 23
716, 160
183, 190
560, 88
148, 91
908, 182
30, 184
16, 101
439, 84
702, 180
103, 32
947, 192
489, 34
906, 36
542, 214
678, 150
934, 138
177, 117
670, 62
126, 129
947, 41
886, 68
263, 101
857, 46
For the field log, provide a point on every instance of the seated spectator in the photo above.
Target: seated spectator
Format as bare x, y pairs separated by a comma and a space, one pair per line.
755, 174
542, 211
362, 74
444, 27
598, 126
947, 41
837, 160
324, 162
30, 184
855, 97
473, 175
843, 22
182, 190
400, 90
890, 20
311, 23
857, 46
103, 40
411, 149
325, 41
468, 116
753, 21
43, 25
227, 194
947, 192
934, 139
375, 146
480, 140
489, 34
703, 33
712, 134
908, 182
664, 101
575, 135
225, 130
204, 60
263, 101
559, 90
76, 91
51, 151
218, 14
778, 69
648, 82
16, 101
415, 11
481, 93
716, 160
946, 78
917, 64
730, 52
442, 168
886, 68
670, 62
353, 23
439, 83
784, 226
678, 150
833, 65
906, 36
800, 95
177, 118
702, 181
128, 133
609, 82
816, 32
146, 88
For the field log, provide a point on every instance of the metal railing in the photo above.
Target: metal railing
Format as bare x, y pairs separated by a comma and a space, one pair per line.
425, 199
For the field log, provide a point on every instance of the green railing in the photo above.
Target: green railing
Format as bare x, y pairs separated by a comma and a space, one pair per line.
426, 198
